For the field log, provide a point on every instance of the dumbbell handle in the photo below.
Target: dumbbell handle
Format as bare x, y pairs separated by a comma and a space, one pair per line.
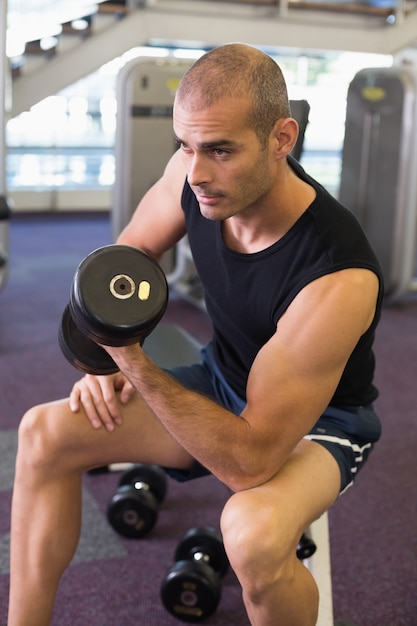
200, 556
139, 484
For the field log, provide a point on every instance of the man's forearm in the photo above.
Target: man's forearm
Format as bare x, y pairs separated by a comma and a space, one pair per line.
211, 434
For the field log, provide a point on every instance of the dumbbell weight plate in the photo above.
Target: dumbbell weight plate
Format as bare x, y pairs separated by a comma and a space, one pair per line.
151, 476
132, 512
118, 295
82, 352
206, 541
306, 548
191, 591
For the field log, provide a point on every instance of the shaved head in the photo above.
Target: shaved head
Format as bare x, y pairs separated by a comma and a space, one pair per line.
237, 71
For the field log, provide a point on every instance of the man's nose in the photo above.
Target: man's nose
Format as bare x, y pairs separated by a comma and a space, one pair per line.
198, 171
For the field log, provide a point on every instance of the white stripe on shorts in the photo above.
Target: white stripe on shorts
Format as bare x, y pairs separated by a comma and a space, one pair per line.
357, 450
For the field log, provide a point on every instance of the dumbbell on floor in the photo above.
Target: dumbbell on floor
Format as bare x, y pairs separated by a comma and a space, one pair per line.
117, 297
191, 589
306, 547
133, 510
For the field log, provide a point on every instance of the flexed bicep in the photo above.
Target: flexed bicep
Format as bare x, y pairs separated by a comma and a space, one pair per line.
295, 374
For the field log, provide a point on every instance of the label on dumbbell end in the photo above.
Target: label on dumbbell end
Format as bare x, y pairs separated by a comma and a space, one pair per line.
186, 610
144, 290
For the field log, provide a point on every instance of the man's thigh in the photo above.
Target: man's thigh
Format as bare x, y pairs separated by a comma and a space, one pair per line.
139, 439
305, 487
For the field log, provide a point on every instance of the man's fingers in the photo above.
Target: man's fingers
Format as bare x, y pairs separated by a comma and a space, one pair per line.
98, 399
127, 392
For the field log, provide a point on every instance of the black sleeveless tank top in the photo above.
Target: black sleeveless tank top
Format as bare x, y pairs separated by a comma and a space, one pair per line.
246, 294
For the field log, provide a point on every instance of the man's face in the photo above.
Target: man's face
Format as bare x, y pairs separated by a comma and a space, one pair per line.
227, 168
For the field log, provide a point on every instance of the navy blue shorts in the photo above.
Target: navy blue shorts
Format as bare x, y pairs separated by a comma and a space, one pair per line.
348, 434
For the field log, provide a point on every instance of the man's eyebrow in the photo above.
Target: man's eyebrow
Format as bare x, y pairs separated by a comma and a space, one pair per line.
210, 144
224, 143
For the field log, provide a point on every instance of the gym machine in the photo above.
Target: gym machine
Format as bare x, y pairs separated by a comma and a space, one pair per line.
379, 166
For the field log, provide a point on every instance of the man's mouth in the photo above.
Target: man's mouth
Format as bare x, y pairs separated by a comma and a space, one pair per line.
206, 198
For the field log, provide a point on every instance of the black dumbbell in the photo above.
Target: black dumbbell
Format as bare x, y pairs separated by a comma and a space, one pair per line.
306, 547
191, 589
133, 510
117, 297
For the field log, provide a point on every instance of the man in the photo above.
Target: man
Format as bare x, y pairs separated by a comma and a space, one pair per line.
281, 408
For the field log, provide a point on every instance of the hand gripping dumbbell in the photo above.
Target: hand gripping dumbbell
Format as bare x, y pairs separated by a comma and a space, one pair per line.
133, 510
118, 296
191, 589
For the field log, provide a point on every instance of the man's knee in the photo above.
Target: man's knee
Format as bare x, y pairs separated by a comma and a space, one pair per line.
40, 441
260, 548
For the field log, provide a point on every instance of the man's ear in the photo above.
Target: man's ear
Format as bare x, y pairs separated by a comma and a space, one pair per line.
285, 134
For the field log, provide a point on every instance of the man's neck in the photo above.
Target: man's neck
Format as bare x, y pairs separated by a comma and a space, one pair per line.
261, 226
